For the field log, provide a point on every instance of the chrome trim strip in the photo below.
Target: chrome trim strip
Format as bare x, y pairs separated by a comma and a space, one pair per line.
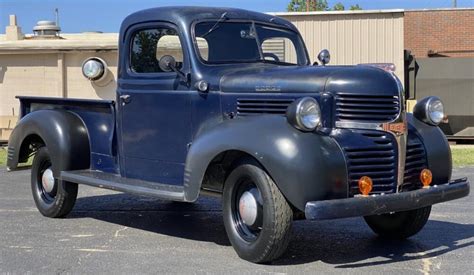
401, 140
359, 125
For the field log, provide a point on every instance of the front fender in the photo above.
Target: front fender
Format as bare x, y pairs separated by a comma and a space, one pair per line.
62, 132
438, 152
305, 166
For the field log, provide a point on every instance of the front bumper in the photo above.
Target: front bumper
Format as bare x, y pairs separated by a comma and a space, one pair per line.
381, 204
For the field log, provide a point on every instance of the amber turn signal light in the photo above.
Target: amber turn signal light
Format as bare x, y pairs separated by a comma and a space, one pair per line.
365, 185
426, 177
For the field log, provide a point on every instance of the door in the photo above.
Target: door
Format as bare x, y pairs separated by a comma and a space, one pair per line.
154, 114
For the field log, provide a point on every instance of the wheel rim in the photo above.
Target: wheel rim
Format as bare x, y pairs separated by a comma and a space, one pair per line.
46, 184
247, 210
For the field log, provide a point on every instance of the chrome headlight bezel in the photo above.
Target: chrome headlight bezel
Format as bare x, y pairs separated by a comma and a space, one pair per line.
94, 68
430, 110
300, 111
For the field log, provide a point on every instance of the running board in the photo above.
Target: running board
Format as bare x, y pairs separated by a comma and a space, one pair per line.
126, 185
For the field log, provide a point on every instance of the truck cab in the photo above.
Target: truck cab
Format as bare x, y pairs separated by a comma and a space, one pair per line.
226, 102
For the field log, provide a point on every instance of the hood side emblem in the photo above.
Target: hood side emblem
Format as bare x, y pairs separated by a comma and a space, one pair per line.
267, 88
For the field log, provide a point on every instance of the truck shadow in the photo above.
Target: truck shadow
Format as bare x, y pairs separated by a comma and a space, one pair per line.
195, 221
350, 243
346, 243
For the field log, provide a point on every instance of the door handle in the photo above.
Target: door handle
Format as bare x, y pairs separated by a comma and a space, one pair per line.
125, 99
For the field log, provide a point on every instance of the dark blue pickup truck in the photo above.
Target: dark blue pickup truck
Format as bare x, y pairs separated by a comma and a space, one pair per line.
227, 102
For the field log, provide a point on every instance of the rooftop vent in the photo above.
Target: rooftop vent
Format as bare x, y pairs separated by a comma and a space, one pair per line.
46, 29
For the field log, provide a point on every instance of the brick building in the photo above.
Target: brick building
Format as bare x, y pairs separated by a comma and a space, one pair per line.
440, 33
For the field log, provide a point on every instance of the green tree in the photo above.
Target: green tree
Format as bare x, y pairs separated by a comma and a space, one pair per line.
317, 5
144, 51
355, 7
338, 7
308, 5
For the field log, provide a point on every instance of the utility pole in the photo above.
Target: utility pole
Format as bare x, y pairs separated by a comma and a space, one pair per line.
455, 4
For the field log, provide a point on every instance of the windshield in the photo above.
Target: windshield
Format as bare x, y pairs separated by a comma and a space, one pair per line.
220, 42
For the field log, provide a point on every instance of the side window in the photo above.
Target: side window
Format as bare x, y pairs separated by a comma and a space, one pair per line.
279, 49
203, 48
149, 45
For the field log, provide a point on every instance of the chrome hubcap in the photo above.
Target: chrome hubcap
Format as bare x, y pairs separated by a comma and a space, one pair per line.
248, 207
47, 180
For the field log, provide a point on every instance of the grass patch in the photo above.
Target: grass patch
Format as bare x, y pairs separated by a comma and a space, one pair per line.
3, 156
3, 159
462, 156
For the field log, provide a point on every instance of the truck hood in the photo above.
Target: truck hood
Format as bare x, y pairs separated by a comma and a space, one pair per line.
310, 79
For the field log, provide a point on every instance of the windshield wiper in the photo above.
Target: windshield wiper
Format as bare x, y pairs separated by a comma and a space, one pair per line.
214, 27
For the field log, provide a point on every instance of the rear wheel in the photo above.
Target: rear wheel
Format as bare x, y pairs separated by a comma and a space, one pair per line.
257, 216
399, 225
53, 198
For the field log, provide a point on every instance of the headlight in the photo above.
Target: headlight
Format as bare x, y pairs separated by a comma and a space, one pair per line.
304, 114
94, 68
429, 110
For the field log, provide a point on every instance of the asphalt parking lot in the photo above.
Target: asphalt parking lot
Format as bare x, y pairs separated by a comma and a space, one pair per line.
110, 232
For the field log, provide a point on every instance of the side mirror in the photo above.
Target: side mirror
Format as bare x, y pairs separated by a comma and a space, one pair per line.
324, 57
167, 63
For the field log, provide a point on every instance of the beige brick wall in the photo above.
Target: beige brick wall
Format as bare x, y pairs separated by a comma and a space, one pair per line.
77, 86
51, 74
26, 74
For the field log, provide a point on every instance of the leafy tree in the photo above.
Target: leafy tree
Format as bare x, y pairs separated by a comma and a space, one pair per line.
338, 7
355, 7
317, 5
144, 51
308, 5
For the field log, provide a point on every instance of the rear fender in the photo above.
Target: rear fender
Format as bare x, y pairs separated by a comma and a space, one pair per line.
305, 166
63, 132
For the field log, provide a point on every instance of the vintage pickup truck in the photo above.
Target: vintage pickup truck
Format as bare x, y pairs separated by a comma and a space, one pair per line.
235, 108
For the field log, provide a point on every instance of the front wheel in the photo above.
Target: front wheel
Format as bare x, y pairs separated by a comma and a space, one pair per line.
399, 225
257, 216
53, 198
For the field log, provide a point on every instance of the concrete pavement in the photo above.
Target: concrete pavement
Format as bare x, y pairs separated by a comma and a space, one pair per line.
110, 232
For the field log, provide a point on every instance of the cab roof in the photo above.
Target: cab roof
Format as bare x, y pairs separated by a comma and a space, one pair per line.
185, 15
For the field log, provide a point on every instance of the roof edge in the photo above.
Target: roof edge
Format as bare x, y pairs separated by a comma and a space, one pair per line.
302, 13
440, 9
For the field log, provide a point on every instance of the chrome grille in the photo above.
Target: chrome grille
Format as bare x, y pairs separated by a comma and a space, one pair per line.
255, 106
376, 159
366, 108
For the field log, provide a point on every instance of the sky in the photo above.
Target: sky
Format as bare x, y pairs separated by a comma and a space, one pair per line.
106, 15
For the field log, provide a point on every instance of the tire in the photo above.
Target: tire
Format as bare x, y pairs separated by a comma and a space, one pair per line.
268, 238
55, 198
399, 225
